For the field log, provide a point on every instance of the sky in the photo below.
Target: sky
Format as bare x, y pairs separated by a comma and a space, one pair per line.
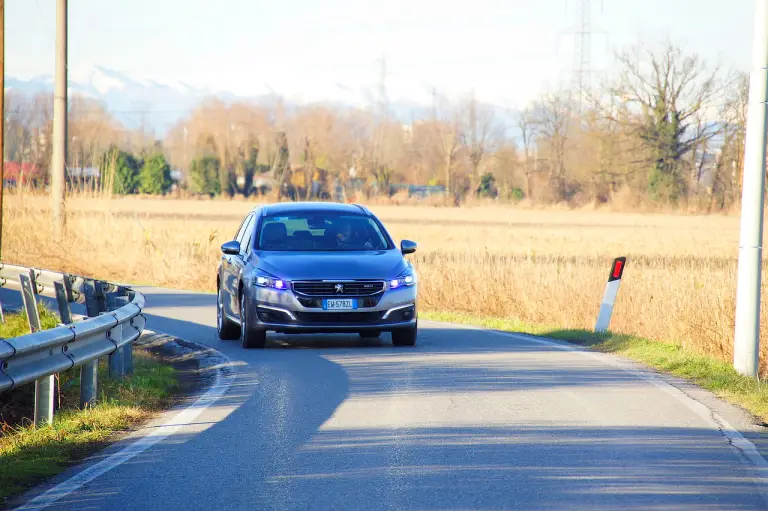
506, 51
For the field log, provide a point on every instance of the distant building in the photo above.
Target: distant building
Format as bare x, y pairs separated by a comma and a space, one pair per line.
84, 172
418, 191
15, 173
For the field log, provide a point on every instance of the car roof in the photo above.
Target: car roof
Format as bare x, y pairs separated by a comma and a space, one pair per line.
285, 208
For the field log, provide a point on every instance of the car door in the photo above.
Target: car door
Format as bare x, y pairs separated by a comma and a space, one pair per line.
229, 273
237, 262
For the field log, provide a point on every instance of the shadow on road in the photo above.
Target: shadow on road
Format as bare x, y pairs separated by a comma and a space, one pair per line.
339, 422
463, 467
517, 467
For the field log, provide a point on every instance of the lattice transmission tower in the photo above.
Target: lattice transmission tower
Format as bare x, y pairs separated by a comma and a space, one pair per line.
582, 54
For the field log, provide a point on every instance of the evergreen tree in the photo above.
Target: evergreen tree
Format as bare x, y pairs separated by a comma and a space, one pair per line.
204, 176
155, 177
121, 169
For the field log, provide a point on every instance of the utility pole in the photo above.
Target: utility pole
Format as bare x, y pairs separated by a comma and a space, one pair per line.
2, 115
747, 333
59, 160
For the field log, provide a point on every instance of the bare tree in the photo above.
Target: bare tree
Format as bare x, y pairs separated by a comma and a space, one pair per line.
553, 119
479, 132
448, 137
726, 181
528, 126
666, 90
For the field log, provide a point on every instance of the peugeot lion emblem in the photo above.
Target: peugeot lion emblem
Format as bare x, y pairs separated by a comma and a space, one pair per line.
339, 288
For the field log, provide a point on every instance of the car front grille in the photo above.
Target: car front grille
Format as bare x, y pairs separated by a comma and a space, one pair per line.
336, 318
321, 288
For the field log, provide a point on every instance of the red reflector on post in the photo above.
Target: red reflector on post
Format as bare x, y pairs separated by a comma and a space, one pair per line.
618, 269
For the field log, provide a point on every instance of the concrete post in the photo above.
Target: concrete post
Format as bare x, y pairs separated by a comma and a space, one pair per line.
59, 157
747, 332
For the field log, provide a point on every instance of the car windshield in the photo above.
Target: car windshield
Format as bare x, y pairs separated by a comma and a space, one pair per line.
321, 232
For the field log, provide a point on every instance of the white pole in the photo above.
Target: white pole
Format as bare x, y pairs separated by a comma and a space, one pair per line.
747, 333
609, 297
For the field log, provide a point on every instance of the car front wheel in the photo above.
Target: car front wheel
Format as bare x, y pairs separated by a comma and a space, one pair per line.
227, 329
249, 337
405, 336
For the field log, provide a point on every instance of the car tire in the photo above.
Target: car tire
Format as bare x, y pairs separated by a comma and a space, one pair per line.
370, 334
249, 337
405, 336
227, 329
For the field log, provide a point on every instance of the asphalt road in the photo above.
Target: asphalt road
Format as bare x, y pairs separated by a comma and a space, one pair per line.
467, 419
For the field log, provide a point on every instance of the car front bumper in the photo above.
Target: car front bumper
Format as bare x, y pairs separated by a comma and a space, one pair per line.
282, 312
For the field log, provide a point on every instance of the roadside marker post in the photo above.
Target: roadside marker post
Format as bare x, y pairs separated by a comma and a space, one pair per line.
609, 297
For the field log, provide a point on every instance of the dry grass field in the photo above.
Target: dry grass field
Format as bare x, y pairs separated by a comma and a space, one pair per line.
540, 266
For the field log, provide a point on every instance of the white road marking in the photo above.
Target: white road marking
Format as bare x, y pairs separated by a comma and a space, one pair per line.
747, 449
220, 386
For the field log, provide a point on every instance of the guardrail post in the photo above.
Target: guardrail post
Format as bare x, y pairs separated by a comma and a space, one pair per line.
33, 279
88, 383
89, 370
101, 296
116, 358
91, 303
68, 288
120, 301
30, 303
61, 300
128, 358
44, 388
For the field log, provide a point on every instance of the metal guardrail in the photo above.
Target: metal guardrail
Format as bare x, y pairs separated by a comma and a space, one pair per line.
109, 331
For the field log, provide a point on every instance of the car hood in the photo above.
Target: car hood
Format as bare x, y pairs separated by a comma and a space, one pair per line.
378, 265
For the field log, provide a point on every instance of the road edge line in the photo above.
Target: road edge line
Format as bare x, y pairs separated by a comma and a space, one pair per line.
221, 384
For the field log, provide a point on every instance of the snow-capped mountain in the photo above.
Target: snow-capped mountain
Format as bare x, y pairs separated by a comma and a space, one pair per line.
159, 105
132, 101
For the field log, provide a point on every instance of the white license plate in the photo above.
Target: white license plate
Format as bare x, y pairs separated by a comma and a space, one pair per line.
339, 304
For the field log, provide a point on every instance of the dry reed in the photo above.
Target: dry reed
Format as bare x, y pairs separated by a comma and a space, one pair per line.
544, 267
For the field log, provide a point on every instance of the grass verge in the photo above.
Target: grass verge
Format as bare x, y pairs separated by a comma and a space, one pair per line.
705, 371
28, 456
17, 324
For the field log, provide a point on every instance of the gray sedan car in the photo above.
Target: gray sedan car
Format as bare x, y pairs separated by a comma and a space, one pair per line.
315, 268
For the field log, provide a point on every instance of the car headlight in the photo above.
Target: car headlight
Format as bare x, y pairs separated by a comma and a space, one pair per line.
407, 279
265, 280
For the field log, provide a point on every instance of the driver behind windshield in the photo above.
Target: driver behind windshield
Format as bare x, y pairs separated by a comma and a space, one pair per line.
348, 238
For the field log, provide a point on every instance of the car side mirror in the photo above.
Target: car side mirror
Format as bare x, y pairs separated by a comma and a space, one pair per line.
231, 247
408, 247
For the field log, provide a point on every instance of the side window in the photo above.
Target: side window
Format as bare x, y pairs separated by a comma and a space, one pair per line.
243, 227
245, 246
